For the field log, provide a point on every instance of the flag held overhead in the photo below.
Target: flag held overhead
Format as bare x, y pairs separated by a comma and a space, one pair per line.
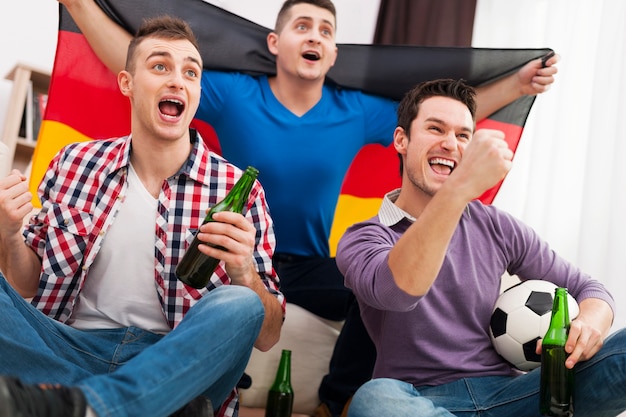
82, 89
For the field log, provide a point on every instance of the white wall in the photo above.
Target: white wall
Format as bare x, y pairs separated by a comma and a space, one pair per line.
28, 34
356, 19
568, 178
29, 30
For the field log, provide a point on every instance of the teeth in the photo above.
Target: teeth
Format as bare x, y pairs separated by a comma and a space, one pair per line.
180, 103
171, 107
441, 161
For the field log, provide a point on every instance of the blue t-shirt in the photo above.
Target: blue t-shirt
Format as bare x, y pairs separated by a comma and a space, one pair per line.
302, 160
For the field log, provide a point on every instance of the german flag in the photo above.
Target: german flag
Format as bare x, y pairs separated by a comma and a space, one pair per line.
84, 102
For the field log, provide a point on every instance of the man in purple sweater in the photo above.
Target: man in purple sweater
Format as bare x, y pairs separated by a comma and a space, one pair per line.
426, 272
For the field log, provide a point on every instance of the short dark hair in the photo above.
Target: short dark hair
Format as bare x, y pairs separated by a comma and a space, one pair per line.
163, 27
410, 104
288, 4
455, 89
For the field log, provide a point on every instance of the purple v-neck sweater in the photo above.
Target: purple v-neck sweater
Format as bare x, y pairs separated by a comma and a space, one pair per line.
443, 336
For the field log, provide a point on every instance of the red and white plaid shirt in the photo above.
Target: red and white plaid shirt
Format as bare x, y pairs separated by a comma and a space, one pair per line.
83, 190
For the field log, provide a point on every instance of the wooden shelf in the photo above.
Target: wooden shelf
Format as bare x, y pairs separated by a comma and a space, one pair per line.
20, 149
25, 144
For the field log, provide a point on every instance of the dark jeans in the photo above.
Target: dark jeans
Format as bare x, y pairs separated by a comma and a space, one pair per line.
316, 285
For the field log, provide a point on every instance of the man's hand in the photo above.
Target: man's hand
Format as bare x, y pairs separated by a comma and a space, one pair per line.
19, 264
486, 160
15, 203
533, 78
236, 234
587, 332
537, 76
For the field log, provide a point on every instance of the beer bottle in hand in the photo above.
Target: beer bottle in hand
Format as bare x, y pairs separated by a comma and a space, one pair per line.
280, 395
556, 394
195, 268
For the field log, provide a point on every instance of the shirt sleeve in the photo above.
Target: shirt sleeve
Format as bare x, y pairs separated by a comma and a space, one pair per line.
217, 87
362, 257
531, 257
258, 212
381, 118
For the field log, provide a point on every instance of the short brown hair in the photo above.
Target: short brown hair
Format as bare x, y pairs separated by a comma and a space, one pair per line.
163, 27
455, 89
281, 19
410, 104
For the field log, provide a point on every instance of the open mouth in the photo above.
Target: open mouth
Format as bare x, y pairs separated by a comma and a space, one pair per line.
311, 56
171, 108
442, 166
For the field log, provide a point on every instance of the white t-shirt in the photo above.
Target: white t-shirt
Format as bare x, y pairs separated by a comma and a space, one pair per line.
120, 289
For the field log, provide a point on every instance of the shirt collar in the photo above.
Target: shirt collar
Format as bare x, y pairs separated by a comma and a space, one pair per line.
195, 167
122, 159
390, 214
198, 164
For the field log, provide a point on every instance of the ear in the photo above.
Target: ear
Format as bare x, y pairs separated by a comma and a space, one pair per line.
125, 82
400, 140
272, 43
335, 57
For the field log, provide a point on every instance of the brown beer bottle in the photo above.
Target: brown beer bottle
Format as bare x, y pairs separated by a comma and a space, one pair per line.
280, 395
195, 268
556, 394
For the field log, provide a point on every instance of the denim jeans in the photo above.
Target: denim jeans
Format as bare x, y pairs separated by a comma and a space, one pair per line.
600, 392
129, 371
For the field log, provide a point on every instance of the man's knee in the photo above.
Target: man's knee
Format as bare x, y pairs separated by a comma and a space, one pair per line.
234, 304
370, 398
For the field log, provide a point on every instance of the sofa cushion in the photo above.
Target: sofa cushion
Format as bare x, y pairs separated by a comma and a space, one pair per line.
311, 340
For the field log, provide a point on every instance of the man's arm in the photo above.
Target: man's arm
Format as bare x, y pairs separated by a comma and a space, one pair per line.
108, 40
533, 78
273, 321
421, 250
236, 234
18, 263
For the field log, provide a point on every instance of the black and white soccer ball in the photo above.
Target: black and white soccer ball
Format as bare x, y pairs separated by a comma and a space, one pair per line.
520, 317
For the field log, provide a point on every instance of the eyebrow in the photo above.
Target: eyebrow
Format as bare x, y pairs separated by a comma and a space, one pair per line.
168, 55
310, 19
441, 122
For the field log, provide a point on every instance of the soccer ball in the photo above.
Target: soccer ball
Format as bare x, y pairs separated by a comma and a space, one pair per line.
520, 317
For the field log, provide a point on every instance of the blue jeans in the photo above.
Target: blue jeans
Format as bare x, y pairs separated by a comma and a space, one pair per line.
129, 371
600, 392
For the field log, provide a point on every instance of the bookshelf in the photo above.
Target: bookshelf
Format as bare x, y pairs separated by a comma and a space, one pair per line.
23, 118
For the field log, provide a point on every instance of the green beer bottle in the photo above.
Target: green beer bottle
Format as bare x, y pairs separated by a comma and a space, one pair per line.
195, 268
556, 393
280, 395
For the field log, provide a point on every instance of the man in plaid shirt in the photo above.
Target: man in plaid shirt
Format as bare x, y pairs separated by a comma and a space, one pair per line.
110, 330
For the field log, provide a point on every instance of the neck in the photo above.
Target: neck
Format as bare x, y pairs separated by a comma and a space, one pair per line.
155, 162
297, 95
412, 201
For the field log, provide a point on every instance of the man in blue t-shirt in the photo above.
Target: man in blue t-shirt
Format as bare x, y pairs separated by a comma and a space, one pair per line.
302, 134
